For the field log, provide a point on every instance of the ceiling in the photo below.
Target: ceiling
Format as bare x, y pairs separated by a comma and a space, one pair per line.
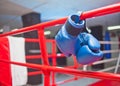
12, 10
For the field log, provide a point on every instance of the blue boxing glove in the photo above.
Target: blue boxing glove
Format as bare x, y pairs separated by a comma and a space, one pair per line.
66, 37
87, 49
71, 40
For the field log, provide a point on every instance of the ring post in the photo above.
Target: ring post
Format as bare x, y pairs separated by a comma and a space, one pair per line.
44, 54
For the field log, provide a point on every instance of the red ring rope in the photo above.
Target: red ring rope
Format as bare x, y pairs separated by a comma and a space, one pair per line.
88, 14
100, 75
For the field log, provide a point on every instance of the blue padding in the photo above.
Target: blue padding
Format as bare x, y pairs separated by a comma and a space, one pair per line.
107, 46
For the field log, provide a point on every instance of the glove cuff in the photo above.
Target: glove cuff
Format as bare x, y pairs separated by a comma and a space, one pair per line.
74, 25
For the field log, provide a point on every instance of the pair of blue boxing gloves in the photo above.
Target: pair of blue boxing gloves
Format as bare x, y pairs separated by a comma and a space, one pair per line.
72, 40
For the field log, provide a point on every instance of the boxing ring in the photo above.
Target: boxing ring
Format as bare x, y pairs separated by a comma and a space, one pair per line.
49, 71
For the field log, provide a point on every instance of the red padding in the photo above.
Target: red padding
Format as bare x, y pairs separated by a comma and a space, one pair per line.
5, 70
106, 83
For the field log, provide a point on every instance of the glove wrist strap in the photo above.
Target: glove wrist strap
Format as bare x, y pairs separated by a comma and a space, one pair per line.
74, 25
